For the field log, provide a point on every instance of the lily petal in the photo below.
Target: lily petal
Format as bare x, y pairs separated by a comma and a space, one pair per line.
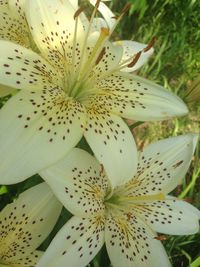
21, 68
74, 3
29, 260
136, 98
172, 216
113, 145
52, 25
13, 27
131, 243
162, 165
76, 243
106, 13
131, 48
27, 222
79, 183
38, 128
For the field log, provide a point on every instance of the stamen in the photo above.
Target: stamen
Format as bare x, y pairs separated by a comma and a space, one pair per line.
97, 3
78, 12
102, 53
150, 45
86, 37
135, 60
126, 199
95, 53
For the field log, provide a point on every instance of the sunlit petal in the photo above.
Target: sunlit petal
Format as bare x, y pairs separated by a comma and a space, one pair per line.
76, 243
136, 98
172, 216
162, 165
21, 68
79, 182
131, 243
130, 49
37, 129
13, 25
52, 25
106, 13
27, 222
29, 260
113, 145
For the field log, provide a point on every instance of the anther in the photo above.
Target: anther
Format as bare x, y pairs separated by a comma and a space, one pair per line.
105, 31
135, 60
78, 12
102, 53
150, 45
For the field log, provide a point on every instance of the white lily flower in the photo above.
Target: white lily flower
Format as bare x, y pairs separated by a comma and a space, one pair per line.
126, 217
79, 89
14, 27
130, 48
25, 224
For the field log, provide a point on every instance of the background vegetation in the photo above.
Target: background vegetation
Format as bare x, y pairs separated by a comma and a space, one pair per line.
176, 65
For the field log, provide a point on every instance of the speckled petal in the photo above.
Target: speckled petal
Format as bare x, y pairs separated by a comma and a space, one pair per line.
13, 28
109, 60
29, 260
130, 49
136, 98
27, 222
172, 216
18, 8
3, 3
52, 25
79, 183
113, 145
131, 243
162, 165
21, 68
37, 129
76, 243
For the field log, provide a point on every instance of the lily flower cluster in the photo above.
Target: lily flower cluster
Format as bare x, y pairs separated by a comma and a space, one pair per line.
69, 80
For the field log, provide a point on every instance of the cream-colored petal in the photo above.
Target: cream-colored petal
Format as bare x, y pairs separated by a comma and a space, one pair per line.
113, 144
21, 68
131, 243
13, 28
75, 244
79, 183
38, 128
27, 222
29, 260
17, 7
52, 25
110, 59
74, 3
162, 165
106, 13
171, 216
130, 49
136, 98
